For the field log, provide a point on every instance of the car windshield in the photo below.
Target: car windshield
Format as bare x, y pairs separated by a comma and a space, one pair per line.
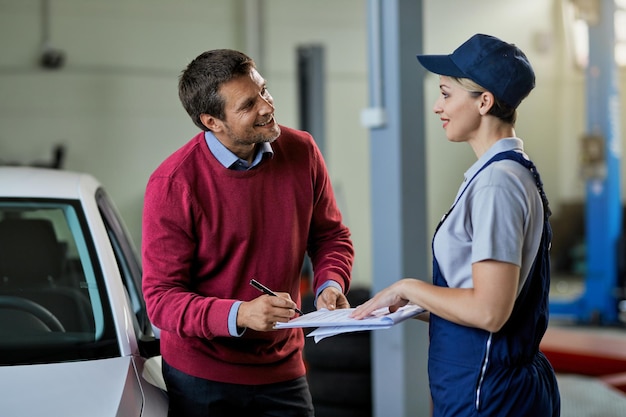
53, 302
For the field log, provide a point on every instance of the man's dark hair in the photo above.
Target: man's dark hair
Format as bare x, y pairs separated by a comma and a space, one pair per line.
199, 83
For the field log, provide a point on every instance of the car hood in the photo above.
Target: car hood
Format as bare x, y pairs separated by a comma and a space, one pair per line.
94, 388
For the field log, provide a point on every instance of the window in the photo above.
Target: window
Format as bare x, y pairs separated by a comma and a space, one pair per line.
53, 300
580, 14
127, 260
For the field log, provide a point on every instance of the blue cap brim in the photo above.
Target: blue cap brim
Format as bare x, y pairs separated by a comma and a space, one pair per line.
442, 65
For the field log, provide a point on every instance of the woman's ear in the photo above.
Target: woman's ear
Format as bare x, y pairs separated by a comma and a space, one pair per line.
486, 102
210, 122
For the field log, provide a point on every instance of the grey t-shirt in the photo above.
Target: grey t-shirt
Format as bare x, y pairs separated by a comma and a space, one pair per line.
498, 217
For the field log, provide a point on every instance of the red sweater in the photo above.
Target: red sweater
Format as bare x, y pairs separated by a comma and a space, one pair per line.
208, 230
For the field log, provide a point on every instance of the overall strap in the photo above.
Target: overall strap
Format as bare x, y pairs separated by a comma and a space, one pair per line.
514, 156
518, 157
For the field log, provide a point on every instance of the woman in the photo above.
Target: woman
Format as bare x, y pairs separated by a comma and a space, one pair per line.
488, 303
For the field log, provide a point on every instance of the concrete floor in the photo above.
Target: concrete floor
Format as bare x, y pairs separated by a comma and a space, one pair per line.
582, 395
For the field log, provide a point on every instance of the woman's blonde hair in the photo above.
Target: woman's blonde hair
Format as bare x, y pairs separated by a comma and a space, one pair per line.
499, 109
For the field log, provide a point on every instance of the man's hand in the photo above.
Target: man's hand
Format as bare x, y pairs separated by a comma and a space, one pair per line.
263, 312
331, 298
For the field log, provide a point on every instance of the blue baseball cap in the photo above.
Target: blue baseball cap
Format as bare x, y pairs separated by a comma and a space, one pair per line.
500, 67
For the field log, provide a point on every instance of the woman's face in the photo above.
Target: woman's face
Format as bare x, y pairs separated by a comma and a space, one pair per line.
458, 109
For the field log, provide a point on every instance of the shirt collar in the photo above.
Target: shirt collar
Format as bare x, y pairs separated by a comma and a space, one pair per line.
502, 145
229, 159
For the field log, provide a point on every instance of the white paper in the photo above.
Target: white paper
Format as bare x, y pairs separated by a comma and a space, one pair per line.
324, 332
333, 322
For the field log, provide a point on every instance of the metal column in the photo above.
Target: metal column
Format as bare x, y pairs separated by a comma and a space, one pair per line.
311, 92
398, 177
598, 303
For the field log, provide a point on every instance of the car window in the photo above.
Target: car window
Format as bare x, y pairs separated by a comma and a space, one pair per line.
127, 258
53, 300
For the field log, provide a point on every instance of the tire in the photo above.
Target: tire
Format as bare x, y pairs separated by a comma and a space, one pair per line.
351, 389
339, 368
348, 351
325, 410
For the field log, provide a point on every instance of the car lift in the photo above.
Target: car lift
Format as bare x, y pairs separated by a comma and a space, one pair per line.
603, 296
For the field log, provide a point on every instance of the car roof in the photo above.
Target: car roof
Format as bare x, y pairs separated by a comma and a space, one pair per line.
22, 181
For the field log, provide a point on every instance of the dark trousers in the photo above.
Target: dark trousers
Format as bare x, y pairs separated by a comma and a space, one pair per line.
190, 396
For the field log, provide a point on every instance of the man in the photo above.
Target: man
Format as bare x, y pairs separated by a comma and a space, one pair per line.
244, 199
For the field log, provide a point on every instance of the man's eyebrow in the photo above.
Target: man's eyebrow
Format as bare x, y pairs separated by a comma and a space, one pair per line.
246, 102
249, 101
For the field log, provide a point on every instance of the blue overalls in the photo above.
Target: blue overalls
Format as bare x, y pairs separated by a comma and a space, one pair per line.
473, 372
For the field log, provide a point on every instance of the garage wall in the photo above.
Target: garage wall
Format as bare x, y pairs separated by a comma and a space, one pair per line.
114, 103
549, 121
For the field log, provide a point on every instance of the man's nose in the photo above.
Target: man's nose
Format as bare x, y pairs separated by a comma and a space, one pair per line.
267, 104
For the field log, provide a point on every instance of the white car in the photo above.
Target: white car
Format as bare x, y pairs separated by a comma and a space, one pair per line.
75, 339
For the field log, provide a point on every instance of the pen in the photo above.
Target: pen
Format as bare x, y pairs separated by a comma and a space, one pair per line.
256, 284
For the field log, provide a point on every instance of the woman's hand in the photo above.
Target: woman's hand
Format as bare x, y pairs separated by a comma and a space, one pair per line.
393, 297
486, 306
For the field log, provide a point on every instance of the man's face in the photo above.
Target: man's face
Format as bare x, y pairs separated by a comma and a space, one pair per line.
249, 113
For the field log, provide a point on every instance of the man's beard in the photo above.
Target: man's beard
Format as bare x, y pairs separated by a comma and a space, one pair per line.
254, 139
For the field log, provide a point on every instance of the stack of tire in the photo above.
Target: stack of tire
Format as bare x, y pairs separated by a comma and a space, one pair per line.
339, 368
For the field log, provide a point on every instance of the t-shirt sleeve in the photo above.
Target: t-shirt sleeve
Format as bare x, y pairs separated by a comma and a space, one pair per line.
498, 216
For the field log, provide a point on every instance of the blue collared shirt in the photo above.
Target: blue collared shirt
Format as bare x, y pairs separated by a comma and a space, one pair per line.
232, 161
